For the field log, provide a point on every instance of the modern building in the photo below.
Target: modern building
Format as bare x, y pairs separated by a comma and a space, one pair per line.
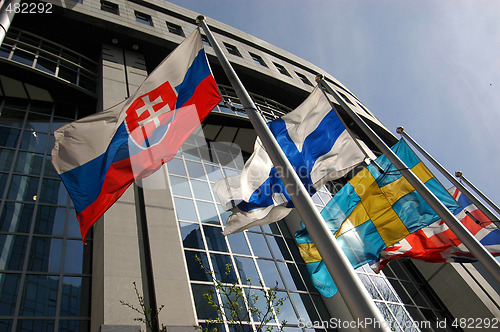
75, 58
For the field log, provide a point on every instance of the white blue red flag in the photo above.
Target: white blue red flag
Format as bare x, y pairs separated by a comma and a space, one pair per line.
436, 243
99, 156
319, 148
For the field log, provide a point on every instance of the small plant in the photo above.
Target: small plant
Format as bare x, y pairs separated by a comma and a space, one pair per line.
148, 316
233, 310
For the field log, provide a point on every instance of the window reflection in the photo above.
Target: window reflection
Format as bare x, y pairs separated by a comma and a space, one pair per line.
215, 240
196, 272
45, 255
39, 295
220, 262
73, 260
247, 271
23, 188
8, 137
259, 245
50, 220
16, 217
185, 209
180, 186
29, 325
12, 249
270, 273
9, 284
191, 235
208, 213
238, 243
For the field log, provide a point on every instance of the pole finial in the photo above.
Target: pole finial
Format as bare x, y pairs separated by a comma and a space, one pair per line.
319, 77
458, 174
400, 130
199, 19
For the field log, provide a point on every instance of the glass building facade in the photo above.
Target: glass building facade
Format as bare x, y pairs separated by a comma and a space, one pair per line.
45, 269
47, 274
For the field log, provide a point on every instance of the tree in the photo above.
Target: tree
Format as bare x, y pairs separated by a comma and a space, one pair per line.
148, 317
234, 311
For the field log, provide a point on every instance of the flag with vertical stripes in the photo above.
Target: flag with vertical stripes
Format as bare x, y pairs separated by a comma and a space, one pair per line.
372, 211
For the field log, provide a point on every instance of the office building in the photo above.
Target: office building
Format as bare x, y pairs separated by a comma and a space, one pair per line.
75, 58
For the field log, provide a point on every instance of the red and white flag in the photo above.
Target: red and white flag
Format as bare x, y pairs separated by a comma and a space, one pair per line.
436, 243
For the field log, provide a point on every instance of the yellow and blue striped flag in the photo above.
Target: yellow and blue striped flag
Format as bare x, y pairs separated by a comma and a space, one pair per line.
372, 211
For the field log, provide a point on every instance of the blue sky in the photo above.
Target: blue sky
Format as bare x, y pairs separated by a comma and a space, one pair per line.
430, 66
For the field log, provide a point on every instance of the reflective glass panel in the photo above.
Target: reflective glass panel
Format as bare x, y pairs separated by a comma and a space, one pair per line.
9, 284
215, 240
220, 262
203, 309
291, 276
73, 260
196, 272
16, 217
195, 170
208, 213
50, 220
8, 137
45, 254
201, 190
54, 192
176, 166
74, 301
6, 157
191, 235
39, 295
238, 243
29, 163
28, 325
185, 209
247, 271
34, 141
180, 186
270, 273
12, 249
259, 245
23, 188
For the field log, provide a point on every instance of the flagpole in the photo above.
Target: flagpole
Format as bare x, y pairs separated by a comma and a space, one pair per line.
479, 192
356, 296
474, 246
483, 208
6, 17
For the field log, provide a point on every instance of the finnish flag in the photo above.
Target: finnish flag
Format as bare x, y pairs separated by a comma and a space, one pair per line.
319, 148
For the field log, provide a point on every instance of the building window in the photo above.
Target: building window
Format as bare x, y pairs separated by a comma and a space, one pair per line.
110, 7
175, 29
282, 69
232, 50
303, 78
258, 59
205, 41
143, 18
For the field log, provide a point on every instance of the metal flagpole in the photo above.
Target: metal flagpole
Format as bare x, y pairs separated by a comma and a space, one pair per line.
483, 208
356, 296
6, 16
483, 196
463, 234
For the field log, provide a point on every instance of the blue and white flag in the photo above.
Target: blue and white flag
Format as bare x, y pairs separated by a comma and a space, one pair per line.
319, 148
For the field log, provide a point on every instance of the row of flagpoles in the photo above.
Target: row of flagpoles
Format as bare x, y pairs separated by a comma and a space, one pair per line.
99, 156
355, 295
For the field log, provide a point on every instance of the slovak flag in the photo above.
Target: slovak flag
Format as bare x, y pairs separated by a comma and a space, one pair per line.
99, 156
